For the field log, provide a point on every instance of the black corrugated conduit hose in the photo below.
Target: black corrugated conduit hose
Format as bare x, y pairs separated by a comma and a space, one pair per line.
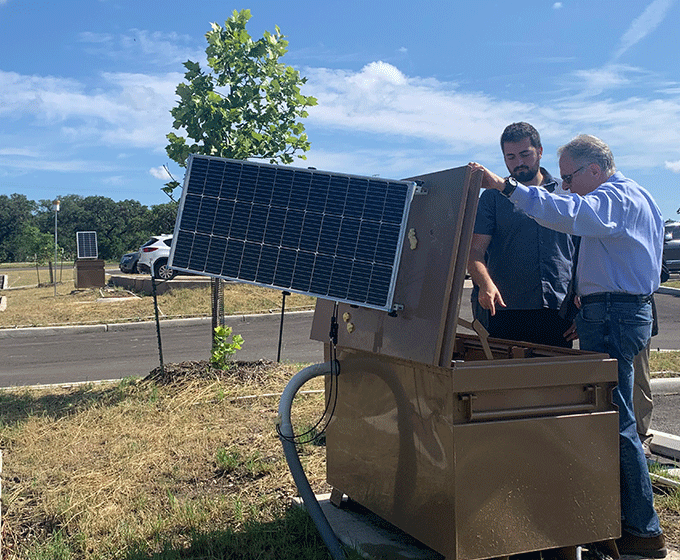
287, 437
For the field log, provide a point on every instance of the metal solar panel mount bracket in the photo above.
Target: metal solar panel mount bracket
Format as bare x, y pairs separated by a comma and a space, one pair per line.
419, 188
396, 307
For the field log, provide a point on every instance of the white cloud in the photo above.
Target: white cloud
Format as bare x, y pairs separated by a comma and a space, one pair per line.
159, 49
130, 109
595, 81
673, 166
643, 25
21, 152
114, 180
159, 173
557, 5
52, 163
380, 99
428, 124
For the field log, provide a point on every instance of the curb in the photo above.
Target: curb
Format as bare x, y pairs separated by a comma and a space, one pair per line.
666, 384
668, 291
120, 327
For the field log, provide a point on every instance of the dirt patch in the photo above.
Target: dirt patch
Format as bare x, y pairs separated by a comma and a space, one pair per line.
250, 372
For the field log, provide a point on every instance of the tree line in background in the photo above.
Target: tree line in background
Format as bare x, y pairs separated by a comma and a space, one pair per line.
27, 227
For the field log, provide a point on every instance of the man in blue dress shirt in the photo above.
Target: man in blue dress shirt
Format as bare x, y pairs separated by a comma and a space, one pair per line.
619, 266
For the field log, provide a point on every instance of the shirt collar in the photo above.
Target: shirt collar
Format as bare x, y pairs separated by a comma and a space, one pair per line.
549, 182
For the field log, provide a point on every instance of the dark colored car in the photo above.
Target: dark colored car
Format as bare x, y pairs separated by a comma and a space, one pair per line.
128, 263
671, 246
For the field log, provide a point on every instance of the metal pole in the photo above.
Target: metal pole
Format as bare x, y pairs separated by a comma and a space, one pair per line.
158, 323
55, 205
283, 310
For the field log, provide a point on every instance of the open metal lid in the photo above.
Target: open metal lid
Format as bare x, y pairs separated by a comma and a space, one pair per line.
429, 284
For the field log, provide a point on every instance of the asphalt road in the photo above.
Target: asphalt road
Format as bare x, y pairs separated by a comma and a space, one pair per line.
77, 354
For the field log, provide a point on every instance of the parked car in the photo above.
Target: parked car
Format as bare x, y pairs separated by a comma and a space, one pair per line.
153, 257
671, 246
128, 263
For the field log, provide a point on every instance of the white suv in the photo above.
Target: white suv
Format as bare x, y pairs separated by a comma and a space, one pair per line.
153, 257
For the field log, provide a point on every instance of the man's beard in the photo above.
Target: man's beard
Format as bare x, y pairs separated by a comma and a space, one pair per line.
524, 174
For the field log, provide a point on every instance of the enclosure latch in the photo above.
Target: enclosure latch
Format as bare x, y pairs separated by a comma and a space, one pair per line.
468, 400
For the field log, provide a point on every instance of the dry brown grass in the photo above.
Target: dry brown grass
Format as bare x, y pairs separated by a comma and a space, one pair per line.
128, 470
664, 364
30, 305
115, 468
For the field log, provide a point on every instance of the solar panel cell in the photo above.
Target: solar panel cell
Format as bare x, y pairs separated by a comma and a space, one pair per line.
215, 260
232, 258
356, 198
205, 221
292, 229
302, 275
250, 261
268, 259
283, 184
284, 268
246, 186
213, 181
199, 251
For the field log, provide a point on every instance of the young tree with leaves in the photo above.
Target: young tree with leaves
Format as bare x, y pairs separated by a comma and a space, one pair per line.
247, 105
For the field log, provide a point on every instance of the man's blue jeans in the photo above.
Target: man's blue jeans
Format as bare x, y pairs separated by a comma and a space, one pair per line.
622, 329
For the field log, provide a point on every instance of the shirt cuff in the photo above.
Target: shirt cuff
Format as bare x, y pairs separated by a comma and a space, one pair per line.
521, 193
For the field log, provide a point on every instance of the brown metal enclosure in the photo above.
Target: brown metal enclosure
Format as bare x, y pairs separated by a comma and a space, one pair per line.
476, 458
90, 273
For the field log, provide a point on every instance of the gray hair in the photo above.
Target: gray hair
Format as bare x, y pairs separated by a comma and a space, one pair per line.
590, 149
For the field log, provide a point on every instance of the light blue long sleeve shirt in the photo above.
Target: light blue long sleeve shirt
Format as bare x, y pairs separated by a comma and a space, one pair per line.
621, 230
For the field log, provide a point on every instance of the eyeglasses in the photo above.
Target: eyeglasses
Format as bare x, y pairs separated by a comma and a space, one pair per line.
567, 178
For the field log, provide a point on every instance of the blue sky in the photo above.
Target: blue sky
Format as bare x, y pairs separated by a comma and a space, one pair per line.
404, 88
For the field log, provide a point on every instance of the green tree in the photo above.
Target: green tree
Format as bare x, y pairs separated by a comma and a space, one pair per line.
162, 218
15, 210
31, 244
248, 104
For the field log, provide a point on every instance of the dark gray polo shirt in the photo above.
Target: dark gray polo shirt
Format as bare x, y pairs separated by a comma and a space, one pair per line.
530, 264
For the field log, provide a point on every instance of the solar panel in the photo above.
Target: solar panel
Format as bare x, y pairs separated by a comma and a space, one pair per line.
87, 244
329, 235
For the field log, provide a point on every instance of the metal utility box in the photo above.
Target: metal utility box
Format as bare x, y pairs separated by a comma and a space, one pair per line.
90, 273
478, 449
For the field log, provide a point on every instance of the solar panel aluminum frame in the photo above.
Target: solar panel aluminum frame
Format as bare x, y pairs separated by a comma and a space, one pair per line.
186, 226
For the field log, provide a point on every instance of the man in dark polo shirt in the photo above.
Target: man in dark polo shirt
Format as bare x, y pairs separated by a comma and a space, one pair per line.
521, 270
